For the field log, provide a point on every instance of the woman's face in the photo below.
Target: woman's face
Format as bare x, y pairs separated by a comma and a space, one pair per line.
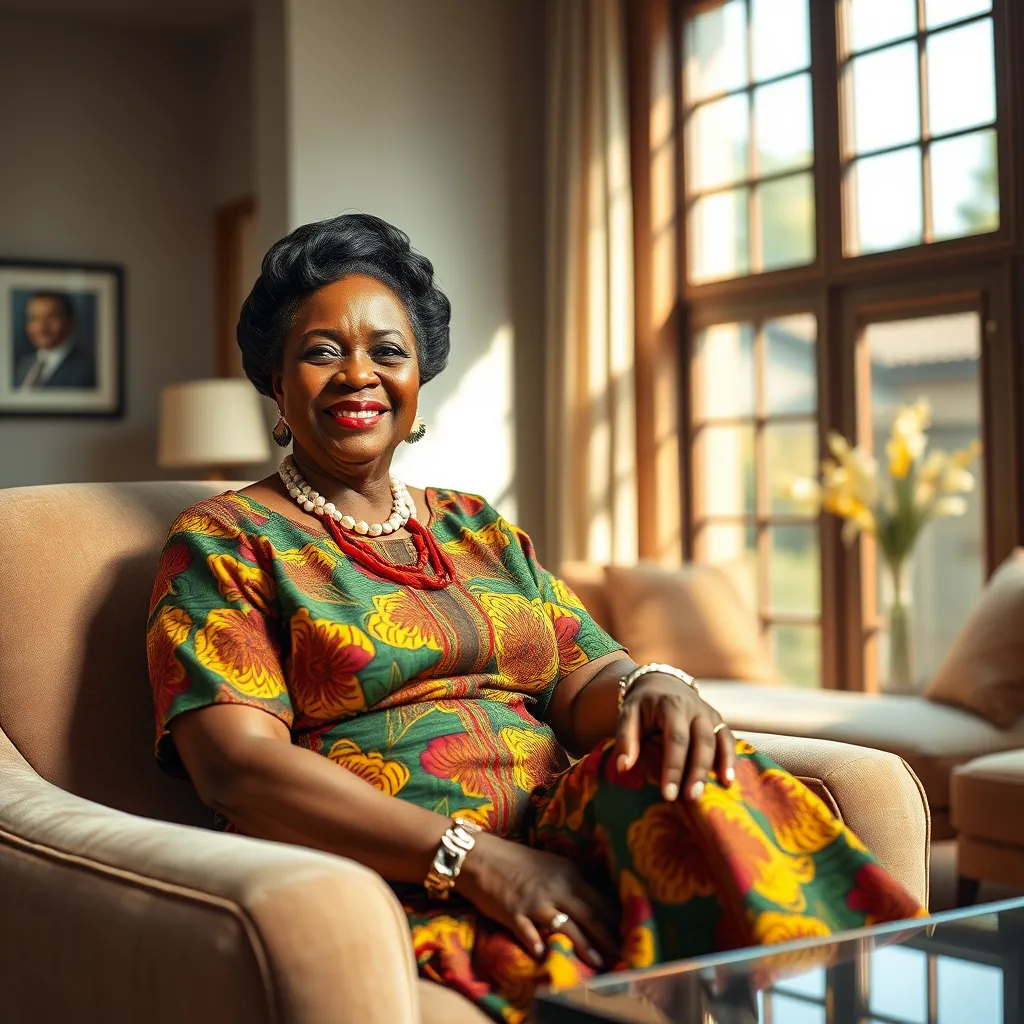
350, 379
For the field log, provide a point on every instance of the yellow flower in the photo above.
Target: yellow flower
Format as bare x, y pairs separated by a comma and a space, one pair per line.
526, 648
956, 480
387, 776
402, 620
235, 646
950, 506
908, 441
966, 456
241, 583
772, 927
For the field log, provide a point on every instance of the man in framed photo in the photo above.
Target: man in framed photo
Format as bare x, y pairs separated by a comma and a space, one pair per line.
55, 361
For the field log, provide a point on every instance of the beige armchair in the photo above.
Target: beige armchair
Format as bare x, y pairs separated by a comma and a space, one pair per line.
117, 901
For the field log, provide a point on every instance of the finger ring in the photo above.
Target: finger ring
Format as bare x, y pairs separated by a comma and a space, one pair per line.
557, 921
718, 728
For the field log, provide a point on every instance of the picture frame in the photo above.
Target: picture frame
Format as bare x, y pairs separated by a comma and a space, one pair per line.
61, 339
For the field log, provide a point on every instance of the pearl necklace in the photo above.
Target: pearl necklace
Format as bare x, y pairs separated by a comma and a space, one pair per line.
402, 507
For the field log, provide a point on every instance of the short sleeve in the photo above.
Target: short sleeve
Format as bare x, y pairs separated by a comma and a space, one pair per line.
580, 639
214, 635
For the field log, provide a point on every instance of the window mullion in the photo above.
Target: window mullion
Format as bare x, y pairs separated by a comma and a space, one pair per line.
762, 498
926, 149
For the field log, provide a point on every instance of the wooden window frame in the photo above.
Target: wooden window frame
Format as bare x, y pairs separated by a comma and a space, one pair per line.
763, 518
926, 139
986, 270
754, 179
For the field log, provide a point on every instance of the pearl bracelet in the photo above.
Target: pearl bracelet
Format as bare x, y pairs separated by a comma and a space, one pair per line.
627, 682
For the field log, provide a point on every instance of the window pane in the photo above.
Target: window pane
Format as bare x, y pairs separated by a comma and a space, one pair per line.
795, 572
968, 991
871, 22
797, 656
782, 125
888, 199
937, 358
781, 37
942, 12
886, 108
898, 984
787, 222
792, 451
719, 245
734, 548
811, 984
716, 51
725, 474
965, 185
717, 143
791, 376
723, 372
961, 78
795, 1011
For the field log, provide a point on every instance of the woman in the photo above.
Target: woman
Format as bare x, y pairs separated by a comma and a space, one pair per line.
391, 676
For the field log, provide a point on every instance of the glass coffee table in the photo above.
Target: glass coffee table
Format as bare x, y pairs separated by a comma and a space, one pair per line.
959, 967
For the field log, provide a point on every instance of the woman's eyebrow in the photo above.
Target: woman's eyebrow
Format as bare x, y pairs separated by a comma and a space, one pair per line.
336, 335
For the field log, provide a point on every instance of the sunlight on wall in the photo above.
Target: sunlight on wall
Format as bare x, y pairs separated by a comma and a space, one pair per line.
470, 441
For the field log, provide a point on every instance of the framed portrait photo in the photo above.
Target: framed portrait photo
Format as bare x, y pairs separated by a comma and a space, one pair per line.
61, 339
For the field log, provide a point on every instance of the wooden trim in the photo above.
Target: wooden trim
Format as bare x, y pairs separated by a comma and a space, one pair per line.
227, 262
650, 64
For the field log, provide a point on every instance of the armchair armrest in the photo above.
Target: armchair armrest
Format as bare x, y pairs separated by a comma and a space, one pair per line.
143, 920
876, 794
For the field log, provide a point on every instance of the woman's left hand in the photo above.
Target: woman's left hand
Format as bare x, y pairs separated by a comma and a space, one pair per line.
692, 748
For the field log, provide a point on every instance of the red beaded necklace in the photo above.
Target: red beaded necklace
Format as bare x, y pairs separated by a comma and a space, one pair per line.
428, 553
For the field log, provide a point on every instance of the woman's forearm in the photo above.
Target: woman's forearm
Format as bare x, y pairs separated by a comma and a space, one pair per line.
292, 795
594, 710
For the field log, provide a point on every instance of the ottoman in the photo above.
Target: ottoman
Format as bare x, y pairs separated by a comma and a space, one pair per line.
987, 809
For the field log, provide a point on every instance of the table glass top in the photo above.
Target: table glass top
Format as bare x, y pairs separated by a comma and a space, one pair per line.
961, 967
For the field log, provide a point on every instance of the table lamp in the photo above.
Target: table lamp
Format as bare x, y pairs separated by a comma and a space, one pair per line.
212, 426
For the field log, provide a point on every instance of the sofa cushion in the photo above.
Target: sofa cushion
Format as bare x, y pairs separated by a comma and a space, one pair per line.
984, 670
988, 798
691, 616
932, 738
586, 580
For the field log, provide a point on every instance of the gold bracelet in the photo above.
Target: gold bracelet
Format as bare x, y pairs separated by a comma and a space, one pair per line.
451, 855
627, 682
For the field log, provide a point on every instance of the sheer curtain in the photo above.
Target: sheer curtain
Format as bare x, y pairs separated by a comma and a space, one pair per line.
591, 413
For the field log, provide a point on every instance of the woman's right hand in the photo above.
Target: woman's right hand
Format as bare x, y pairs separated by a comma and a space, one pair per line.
523, 889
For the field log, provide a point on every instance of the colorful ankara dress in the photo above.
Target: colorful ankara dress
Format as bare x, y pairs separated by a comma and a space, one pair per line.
439, 696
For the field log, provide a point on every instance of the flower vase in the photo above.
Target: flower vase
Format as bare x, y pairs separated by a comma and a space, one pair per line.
901, 677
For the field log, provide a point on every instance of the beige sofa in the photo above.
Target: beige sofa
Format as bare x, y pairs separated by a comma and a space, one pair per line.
932, 738
119, 904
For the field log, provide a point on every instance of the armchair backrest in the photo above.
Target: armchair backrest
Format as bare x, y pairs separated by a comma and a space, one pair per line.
76, 568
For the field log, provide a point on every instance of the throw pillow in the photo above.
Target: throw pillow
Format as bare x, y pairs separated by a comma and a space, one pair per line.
692, 617
984, 670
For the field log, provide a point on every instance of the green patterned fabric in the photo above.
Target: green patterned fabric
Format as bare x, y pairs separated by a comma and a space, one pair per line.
438, 697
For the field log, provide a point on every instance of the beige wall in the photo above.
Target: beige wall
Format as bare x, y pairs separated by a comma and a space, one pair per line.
102, 131
431, 116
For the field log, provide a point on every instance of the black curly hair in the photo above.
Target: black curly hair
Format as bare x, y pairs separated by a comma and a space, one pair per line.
319, 254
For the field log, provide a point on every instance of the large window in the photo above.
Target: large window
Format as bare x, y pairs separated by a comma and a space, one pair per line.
749, 139
849, 245
755, 404
919, 122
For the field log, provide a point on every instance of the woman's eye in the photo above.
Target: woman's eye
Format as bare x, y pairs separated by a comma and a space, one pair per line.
389, 352
322, 352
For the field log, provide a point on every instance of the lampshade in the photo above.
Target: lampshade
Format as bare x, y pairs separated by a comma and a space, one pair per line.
211, 424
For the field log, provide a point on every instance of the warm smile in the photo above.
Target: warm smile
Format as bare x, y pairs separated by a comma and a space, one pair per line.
357, 415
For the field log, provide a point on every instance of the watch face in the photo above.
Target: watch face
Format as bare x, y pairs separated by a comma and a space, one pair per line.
446, 861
